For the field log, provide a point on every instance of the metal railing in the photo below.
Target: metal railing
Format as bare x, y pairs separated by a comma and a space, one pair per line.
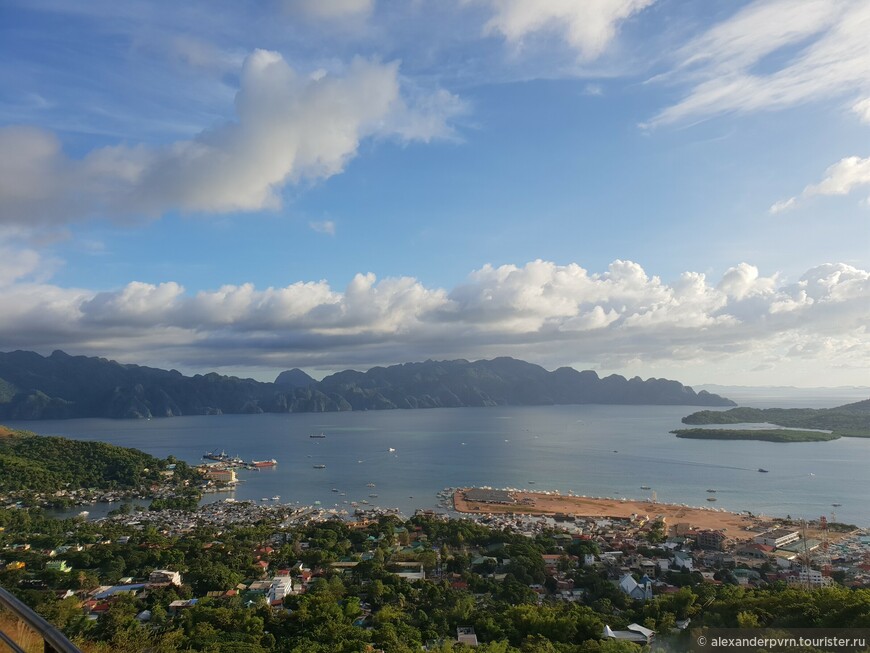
54, 641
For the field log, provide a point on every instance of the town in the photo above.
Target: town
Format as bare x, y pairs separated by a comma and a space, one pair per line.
499, 580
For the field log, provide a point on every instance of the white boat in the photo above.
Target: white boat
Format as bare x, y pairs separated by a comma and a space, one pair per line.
391, 450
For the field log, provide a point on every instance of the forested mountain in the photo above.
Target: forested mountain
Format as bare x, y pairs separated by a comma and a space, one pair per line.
61, 386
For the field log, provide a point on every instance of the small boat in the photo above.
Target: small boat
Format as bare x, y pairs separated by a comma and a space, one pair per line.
645, 487
373, 496
335, 489
317, 435
319, 466
711, 490
264, 499
531, 482
370, 484
762, 470
391, 450
711, 498
836, 505
276, 498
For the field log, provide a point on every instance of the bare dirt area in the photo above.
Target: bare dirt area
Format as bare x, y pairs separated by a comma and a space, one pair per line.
734, 525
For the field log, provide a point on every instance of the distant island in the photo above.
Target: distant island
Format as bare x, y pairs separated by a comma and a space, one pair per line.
765, 435
849, 420
61, 386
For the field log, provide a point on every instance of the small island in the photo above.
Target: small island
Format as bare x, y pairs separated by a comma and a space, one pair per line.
765, 435
848, 421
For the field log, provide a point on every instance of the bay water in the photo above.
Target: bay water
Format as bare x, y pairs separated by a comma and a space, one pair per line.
592, 450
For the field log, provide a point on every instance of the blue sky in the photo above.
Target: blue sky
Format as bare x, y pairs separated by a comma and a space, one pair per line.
648, 187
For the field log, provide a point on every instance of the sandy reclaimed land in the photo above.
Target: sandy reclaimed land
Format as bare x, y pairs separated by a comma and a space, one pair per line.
734, 525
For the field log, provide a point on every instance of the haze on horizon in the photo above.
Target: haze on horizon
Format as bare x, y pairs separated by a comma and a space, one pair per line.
645, 187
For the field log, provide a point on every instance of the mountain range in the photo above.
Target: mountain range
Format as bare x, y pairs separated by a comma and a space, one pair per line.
61, 386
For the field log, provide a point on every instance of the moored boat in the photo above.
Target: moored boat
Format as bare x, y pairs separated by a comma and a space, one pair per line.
264, 463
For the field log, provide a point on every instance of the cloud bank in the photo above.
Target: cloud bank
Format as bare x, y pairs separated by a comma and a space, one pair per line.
290, 128
540, 311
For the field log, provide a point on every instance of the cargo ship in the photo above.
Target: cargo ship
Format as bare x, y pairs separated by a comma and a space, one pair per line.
264, 463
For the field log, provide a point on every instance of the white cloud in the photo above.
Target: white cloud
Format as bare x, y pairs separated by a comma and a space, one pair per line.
862, 109
323, 227
540, 311
17, 264
289, 128
820, 50
782, 205
840, 179
588, 26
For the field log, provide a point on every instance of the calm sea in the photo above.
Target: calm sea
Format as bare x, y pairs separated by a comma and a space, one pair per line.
593, 450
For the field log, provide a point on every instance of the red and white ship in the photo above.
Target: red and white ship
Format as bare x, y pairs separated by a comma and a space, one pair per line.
264, 463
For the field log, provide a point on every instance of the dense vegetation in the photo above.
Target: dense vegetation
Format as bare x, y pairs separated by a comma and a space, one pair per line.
851, 420
369, 608
46, 464
765, 435
60, 386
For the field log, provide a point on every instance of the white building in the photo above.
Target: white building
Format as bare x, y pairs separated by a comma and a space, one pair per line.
164, 577
639, 591
777, 537
810, 578
280, 587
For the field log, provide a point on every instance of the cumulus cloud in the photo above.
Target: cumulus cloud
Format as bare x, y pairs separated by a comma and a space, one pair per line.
840, 179
773, 55
542, 311
289, 128
587, 26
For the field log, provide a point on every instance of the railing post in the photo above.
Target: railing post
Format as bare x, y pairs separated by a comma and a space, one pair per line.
54, 641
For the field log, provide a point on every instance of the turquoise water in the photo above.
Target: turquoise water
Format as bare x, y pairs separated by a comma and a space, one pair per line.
593, 450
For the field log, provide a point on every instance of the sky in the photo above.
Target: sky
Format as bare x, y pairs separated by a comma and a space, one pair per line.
661, 188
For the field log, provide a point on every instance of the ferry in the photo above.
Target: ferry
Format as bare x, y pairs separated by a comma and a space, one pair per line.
222, 457
264, 463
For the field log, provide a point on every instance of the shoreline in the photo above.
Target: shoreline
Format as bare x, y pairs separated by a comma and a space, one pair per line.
735, 525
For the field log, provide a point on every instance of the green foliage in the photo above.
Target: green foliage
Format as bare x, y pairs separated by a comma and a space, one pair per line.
41, 464
765, 435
